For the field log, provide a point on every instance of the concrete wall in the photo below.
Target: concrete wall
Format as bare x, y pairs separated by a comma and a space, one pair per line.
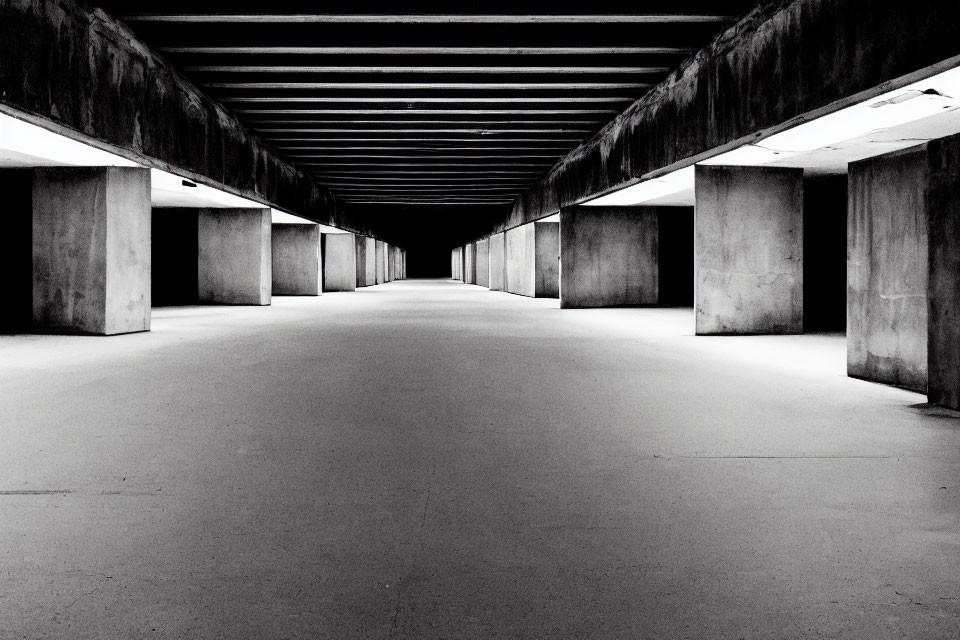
296, 260
482, 262
608, 256
360, 251
91, 250
547, 259
456, 263
339, 262
520, 272
749, 250
234, 258
381, 255
887, 252
498, 262
943, 202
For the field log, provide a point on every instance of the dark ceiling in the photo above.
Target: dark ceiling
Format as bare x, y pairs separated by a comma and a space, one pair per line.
423, 104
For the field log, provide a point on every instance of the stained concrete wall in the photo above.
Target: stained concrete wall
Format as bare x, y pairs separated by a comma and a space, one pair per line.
887, 255
296, 260
456, 263
675, 233
520, 272
381, 262
943, 335
360, 252
749, 250
173, 270
470, 263
16, 244
609, 256
547, 259
391, 263
339, 262
482, 262
91, 250
498, 262
234, 258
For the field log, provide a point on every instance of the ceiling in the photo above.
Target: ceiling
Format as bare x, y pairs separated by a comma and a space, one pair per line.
427, 105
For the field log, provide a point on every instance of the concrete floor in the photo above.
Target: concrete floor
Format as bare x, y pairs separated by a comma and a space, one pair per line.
433, 460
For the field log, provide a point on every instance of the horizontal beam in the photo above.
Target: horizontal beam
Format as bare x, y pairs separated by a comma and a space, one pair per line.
236, 68
442, 19
430, 112
425, 99
428, 50
487, 86
486, 130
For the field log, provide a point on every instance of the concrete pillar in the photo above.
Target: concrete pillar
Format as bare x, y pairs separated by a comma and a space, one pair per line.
482, 261
887, 271
370, 261
234, 256
470, 263
339, 262
943, 201
456, 258
498, 262
748, 250
381, 267
391, 263
360, 251
609, 257
91, 250
296, 260
547, 259
520, 274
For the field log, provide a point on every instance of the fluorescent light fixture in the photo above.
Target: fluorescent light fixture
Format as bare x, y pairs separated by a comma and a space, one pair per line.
554, 218
672, 189
26, 145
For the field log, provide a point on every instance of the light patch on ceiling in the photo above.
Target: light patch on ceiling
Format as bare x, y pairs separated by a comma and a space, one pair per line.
896, 120
24, 145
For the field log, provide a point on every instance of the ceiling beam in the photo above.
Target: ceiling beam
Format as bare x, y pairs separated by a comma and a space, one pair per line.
429, 50
439, 19
489, 86
238, 68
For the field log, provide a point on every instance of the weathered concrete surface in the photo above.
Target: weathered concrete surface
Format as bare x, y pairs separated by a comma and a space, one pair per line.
381, 260
16, 249
370, 257
456, 263
482, 271
716, 100
887, 270
391, 263
230, 475
520, 275
749, 250
91, 250
296, 260
234, 257
943, 335
470, 263
361, 255
339, 262
80, 70
498, 262
609, 256
547, 259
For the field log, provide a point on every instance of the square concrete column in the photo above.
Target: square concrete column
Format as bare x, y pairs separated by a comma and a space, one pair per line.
370, 261
234, 256
520, 272
391, 263
482, 259
296, 260
609, 257
91, 250
381, 266
547, 259
470, 263
498, 261
748, 250
887, 255
456, 257
943, 202
339, 262
360, 251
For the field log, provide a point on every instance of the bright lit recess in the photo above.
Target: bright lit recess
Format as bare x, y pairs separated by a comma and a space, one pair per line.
896, 120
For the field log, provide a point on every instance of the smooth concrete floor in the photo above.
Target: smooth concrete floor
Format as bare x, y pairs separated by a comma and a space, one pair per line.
428, 459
